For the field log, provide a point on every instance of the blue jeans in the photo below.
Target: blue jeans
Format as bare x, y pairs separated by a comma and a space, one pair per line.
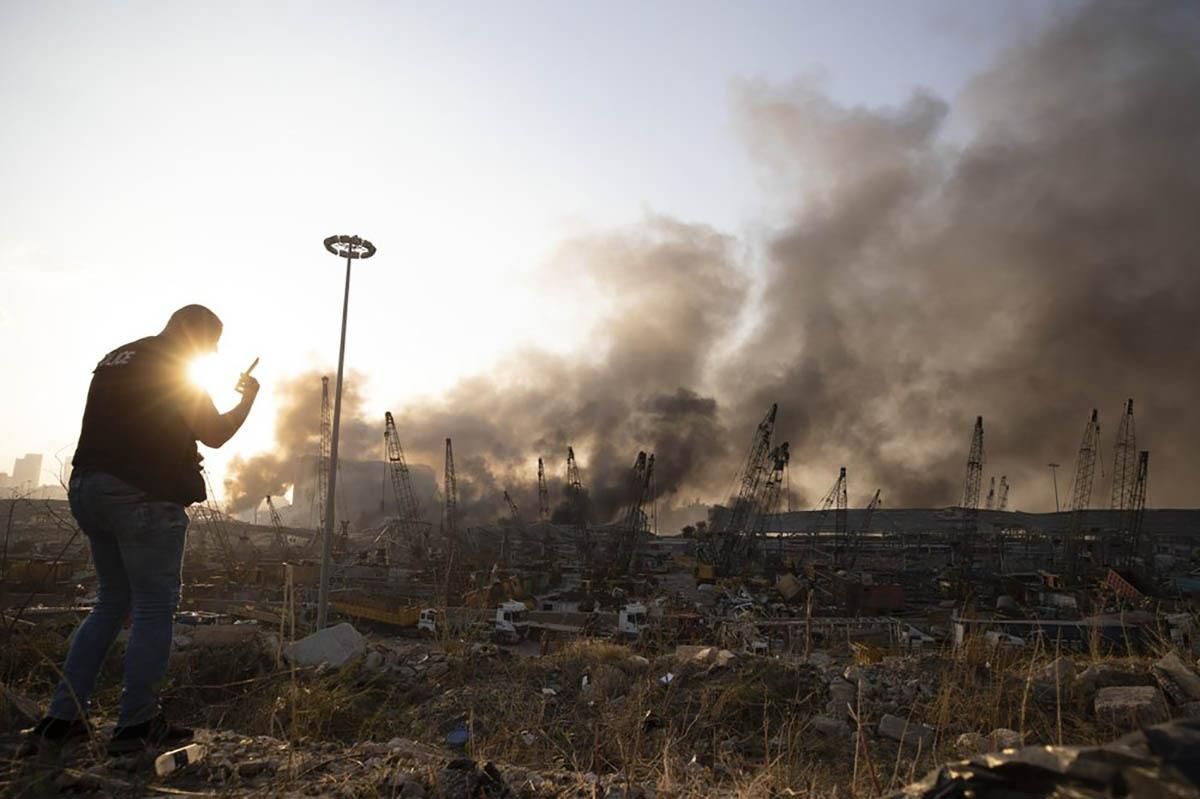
137, 547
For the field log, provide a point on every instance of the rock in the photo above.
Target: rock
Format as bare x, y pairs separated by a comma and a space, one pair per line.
373, 661
828, 725
181, 641
1177, 681
438, 669
968, 745
638, 661
412, 790
1003, 738
17, 711
333, 647
1131, 706
905, 731
820, 659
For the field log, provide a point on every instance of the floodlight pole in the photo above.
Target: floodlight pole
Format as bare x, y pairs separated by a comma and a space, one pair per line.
351, 248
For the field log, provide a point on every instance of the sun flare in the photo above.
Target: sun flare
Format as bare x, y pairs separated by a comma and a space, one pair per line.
212, 374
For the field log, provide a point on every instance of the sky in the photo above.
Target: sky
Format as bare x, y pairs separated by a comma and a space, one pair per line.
157, 154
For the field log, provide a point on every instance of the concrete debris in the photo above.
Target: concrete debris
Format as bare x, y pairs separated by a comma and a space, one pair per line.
1132, 706
332, 647
1177, 681
1106, 675
906, 731
1164, 761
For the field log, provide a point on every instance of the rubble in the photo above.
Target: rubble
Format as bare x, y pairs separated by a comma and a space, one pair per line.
332, 647
1162, 761
1131, 706
1177, 681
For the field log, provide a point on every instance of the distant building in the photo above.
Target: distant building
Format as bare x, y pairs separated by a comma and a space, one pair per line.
27, 472
5, 480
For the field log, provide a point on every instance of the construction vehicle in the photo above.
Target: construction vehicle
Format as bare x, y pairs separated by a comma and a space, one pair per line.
509, 621
631, 620
393, 612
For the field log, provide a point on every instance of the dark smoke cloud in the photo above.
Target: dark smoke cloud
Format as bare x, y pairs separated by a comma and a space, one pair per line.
297, 436
1045, 267
677, 290
1041, 265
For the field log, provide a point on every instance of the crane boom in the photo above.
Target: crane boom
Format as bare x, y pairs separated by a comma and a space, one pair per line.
970, 504
856, 538
1137, 507
407, 507
575, 490
281, 543
543, 494
1125, 461
513, 510
780, 456
323, 455
1081, 490
450, 488
634, 522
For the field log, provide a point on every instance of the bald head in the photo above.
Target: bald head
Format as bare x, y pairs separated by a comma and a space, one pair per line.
194, 328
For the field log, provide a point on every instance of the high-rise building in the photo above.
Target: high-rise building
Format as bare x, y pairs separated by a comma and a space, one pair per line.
27, 472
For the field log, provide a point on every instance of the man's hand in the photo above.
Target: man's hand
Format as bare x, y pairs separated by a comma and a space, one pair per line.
248, 387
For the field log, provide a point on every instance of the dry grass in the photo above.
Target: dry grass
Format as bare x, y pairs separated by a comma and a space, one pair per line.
745, 730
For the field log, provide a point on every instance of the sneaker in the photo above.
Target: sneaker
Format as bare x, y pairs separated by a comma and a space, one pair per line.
50, 733
152, 734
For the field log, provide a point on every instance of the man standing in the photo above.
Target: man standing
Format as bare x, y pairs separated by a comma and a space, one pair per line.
136, 469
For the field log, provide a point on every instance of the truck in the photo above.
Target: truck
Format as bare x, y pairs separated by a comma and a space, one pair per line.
509, 621
631, 620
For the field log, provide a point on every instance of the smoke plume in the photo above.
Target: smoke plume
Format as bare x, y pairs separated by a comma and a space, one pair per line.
1036, 266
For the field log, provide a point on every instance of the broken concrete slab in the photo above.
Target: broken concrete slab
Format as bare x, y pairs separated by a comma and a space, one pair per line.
1106, 675
903, 730
332, 647
1178, 681
1131, 706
